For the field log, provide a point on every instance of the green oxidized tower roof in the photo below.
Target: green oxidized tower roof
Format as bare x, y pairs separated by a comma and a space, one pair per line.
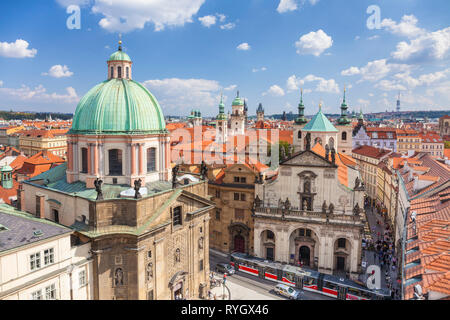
221, 115
343, 119
320, 123
301, 110
238, 101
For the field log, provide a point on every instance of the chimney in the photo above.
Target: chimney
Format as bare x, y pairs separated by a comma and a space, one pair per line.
21, 198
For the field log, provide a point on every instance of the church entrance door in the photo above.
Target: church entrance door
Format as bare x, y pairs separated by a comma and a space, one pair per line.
239, 243
305, 255
340, 264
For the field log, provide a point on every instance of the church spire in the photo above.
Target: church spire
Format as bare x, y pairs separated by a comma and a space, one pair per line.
301, 109
343, 120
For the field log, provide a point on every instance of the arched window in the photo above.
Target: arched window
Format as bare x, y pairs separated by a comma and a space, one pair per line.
299, 134
270, 235
331, 143
128, 73
112, 72
115, 162
344, 136
341, 243
84, 160
119, 72
151, 159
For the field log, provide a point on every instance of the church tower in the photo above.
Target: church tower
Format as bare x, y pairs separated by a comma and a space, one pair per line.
221, 124
118, 133
260, 113
300, 122
345, 130
238, 116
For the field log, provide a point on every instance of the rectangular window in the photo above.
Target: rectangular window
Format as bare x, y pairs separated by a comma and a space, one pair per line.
119, 72
242, 196
50, 292
151, 159
49, 256
217, 193
177, 216
236, 196
38, 206
239, 214
217, 215
201, 265
236, 179
302, 232
37, 295
82, 278
243, 180
35, 261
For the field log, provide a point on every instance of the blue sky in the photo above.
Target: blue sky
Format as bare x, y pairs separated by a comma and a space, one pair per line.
186, 52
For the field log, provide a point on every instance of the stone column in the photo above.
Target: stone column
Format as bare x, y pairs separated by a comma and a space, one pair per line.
133, 159
89, 159
95, 171
69, 156
101, 164
75, 157
257, 242
141, 159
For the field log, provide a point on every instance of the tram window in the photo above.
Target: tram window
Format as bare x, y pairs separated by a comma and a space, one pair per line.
309, 281
330, 285
354, 292
271, 270
365, 294
289, 276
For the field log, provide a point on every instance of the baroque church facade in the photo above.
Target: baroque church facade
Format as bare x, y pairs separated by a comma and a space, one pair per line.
149, 234
312, 213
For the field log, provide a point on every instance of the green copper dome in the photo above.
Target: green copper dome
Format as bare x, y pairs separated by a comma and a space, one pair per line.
118, 106
320, 123
119, 56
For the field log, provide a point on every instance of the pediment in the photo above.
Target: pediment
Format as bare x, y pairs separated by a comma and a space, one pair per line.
308, 159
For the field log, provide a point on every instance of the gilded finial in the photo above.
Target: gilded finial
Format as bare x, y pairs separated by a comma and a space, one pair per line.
120, 42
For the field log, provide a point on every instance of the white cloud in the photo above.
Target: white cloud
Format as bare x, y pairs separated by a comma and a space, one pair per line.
275, 91
58, 71
228, 26
357, 37
181, 95
207, 21
221, 17
128, 15
286, 6
292, 5
230, 88
314, 43
373, 37
323, 85
407, 26
260, 69
389, 85
39, 93
376, 70
243, 46
18, 49
430, 46
350, 71
1, 83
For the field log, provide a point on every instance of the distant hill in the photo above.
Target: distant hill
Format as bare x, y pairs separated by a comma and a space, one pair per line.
11, 115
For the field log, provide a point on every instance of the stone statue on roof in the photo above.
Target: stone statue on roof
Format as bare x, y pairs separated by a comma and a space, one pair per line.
333, 155
327, 152
308, 141
174, 176
98, 187
203, 170
137, 187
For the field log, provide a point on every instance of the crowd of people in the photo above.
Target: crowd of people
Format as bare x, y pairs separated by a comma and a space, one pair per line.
383, 248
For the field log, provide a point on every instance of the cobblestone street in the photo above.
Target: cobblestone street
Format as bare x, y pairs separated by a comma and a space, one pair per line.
372, 257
